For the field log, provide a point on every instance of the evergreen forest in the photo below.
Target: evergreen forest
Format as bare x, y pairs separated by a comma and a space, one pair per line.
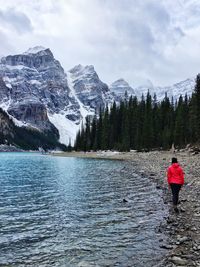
143, 124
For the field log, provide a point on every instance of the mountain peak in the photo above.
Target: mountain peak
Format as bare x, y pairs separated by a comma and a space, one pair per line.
121, 86
35, 50
77, 68
80, 68
120, 82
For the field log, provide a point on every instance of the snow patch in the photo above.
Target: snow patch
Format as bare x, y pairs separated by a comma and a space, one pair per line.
34, 50
67, 129
5, 105
83, 110
16, 67
8, 85
35, 82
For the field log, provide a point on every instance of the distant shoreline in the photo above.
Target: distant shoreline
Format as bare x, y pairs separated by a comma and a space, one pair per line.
93, 155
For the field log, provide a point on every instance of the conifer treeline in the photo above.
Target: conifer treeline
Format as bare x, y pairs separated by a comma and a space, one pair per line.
144, 124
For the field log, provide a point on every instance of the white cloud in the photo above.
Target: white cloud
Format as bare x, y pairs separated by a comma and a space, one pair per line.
136, 40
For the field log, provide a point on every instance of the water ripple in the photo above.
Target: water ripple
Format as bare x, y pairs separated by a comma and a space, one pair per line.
69, 212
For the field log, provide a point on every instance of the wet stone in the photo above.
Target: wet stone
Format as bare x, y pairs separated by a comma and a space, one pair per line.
167, 246
183, 239
179, 261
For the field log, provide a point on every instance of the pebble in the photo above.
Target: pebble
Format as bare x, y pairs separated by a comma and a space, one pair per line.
179, 261
166, 246
183, 239
182, 209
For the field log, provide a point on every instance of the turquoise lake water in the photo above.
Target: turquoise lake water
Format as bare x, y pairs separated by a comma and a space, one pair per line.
58, 211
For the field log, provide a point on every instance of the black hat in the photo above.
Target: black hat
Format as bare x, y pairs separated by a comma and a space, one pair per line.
174, 160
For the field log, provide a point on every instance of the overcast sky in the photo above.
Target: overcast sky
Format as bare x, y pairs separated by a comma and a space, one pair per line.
137, 40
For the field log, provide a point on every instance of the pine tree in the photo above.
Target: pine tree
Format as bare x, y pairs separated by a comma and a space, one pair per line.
98, 136
113, 126
105, 131
165, 119
93, 133
148, 123
192, 119
196, 108
133, 107
139, 141
179, 131
156, 135
125, 141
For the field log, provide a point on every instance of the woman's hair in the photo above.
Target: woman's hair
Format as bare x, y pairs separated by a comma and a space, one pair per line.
174, 160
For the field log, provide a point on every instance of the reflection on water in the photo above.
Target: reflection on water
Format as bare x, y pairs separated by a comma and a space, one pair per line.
69, 212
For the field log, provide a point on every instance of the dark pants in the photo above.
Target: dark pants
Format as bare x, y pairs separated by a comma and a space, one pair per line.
175, 192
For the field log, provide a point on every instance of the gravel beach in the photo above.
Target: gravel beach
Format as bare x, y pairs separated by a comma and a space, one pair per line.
183, 230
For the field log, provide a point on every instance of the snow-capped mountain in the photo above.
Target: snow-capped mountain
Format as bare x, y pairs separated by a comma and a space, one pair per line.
34, 50
120, 88
35, 86
37, 92
174, 91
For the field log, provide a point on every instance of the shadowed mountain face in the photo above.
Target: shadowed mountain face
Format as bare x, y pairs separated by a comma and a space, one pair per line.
26, 137
36, 92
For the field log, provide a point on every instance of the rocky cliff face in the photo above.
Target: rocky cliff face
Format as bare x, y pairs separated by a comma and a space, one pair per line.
32, 112
88, 88
36, 92
32, 85
38, 76
13, 137
6, 127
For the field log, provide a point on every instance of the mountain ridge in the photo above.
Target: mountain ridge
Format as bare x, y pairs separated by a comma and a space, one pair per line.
36, 91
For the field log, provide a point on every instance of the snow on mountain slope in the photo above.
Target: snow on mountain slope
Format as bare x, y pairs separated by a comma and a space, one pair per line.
35, 85
36, 91
39, 93
84, 111
35, 50
174, 91
120, 86
67, 128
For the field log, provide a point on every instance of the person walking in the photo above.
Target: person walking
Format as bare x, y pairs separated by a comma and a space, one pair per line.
175, 179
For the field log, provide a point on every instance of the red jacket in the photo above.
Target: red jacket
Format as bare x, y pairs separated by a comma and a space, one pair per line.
175, 174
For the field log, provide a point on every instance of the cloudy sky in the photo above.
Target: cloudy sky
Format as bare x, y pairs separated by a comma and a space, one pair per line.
131, 39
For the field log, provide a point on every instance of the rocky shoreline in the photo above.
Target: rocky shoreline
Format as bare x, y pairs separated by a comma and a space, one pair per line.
183, 230
9, 148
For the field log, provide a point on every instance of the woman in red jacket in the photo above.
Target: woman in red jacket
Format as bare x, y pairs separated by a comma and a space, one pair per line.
175, 178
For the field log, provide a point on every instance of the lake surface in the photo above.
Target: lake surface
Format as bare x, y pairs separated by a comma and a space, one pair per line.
58, 211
